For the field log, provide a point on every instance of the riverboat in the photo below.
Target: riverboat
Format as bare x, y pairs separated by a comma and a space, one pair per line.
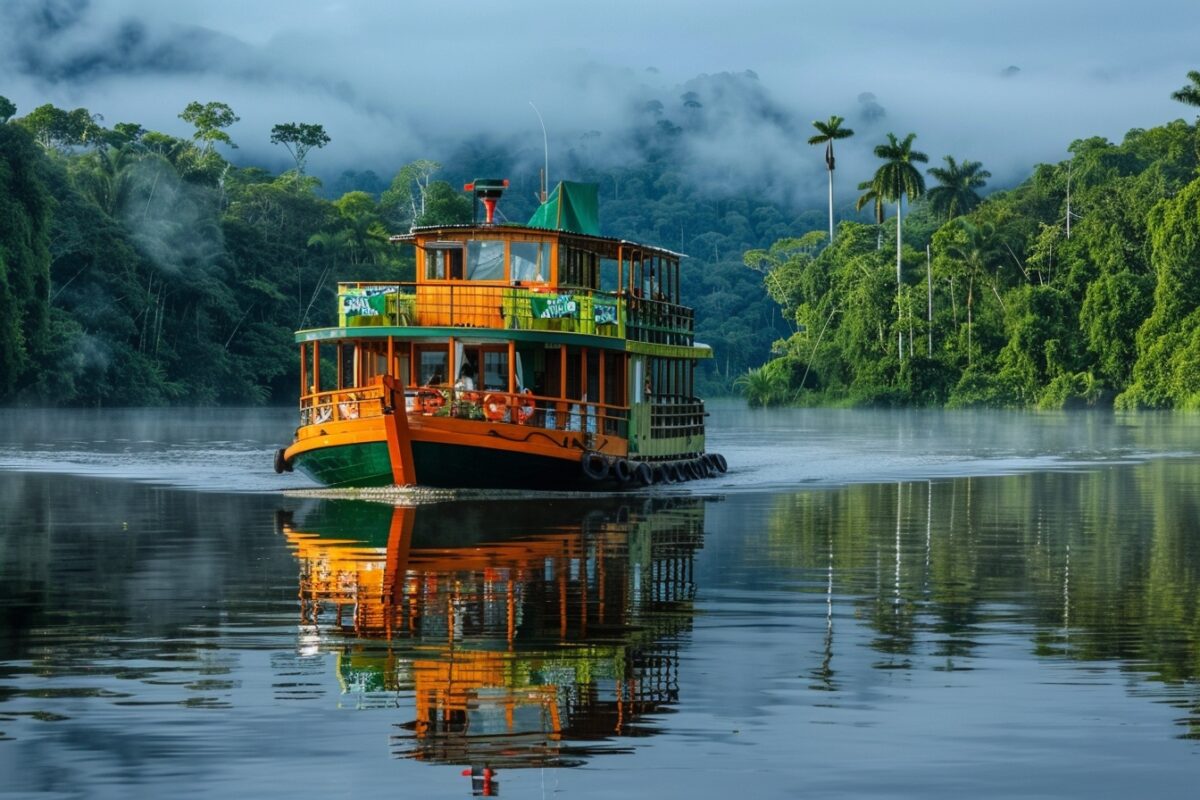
537, 356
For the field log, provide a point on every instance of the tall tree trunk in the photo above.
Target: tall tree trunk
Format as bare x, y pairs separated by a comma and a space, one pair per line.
831, 206
899, 317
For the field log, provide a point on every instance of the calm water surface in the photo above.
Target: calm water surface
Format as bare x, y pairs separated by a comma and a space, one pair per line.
868, 604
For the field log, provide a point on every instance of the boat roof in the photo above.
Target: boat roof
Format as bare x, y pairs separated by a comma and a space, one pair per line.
601, 242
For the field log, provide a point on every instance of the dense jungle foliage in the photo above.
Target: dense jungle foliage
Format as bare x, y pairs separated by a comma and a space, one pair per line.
137, 268
1080, 287
140, 268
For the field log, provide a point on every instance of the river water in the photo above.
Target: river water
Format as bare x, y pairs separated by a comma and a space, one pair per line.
868, 604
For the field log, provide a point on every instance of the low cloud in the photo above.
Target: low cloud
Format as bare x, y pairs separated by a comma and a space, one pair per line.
394, 85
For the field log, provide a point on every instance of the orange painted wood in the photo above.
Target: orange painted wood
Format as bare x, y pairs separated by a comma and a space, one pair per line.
399, 440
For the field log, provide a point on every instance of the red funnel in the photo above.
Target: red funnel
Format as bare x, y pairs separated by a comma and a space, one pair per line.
488, 191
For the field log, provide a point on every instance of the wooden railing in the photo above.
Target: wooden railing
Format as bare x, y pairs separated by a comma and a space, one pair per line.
549, 413
521, 307
673, 416
660, 322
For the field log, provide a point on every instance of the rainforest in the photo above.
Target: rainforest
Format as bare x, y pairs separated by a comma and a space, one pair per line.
143, 268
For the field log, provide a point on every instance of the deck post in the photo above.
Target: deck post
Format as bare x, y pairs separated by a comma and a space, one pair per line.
512, 366
316, 367
399, 439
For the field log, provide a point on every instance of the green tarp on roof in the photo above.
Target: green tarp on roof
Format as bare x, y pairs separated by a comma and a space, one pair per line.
573, 207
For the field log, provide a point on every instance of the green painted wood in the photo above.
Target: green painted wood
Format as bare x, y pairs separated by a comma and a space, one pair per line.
348, 465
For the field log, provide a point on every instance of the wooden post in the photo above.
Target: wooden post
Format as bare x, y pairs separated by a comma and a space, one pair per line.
391, 355
562, 378
303, 370
399, 439
341, 379
316, 367
512, 367
583, 372
450, 374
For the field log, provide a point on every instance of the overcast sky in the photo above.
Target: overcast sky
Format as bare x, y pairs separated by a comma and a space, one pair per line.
1007, 83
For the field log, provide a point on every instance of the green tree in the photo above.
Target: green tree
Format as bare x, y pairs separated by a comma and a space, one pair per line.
444, 206
827, 133
404, 201
299, 138
7, 109
57, 129
955, 195
1189, 94
1167, 371
25, 207
893, 180
210, 120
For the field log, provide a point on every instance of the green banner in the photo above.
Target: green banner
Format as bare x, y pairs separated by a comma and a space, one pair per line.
366, 301
554, 306
604, 313
362, 305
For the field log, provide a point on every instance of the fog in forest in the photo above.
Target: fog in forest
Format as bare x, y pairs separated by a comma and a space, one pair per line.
1009, 84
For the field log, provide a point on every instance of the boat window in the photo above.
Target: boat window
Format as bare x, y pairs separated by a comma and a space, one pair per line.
528, 261
495, 370
485, 260
578, 268
443, 264
433, 367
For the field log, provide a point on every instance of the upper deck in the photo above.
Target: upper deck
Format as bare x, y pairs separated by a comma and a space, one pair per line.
523, 282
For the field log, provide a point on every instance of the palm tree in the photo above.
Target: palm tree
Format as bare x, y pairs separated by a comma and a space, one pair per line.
1189, 94
893, 180
956, 195
870, 195
828, 132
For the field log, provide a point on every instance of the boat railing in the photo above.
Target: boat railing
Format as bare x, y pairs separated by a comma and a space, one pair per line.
514, 307
673, 416
517, 408
659, 322
341, 404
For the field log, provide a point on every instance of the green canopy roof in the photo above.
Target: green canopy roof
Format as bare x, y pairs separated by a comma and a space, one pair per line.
573, 207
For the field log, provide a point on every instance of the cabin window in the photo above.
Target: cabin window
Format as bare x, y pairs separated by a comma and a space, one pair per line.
485, 260
495, 370
444, 264
578, 268
434, 367
528, 261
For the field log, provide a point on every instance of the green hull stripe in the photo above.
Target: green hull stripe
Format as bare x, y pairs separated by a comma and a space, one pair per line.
348, 465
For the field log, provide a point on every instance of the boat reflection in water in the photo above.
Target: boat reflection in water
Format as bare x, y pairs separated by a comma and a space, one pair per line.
527, 635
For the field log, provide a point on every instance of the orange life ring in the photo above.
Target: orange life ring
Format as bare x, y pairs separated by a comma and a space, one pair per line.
525, 407
495, 406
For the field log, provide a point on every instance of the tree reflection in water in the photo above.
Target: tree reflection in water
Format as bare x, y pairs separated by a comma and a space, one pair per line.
1102, 567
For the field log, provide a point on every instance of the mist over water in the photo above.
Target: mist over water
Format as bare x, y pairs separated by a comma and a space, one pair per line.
767, 449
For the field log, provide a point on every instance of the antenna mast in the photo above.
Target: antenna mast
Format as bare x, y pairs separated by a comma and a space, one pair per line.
545, 177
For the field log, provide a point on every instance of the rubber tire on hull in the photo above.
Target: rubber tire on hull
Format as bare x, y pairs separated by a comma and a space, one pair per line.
594, 466
622, 472
643, 473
